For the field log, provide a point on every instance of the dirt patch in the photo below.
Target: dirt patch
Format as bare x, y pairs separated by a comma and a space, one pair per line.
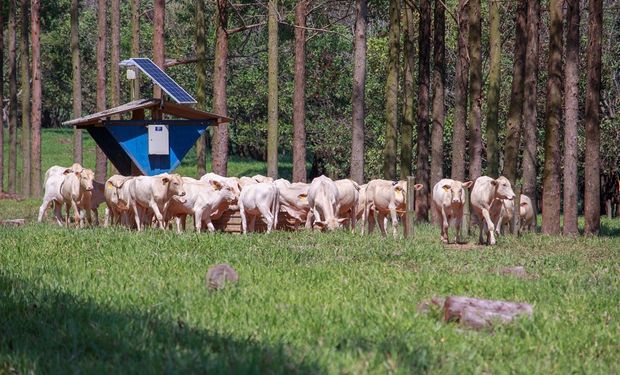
516, 271
464, 246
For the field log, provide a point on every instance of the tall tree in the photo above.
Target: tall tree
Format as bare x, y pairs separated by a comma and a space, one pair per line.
515, 111
299, 93
101, 161
1, 96
159, 47
358, 94
439, 81
530, 113
220, 134
25, 96
35, 37
201, 81
135, 41
424, 81
12, 94
391, 93
460, 93
475, 89
493, 92
272, 97
551, 173
115, 54
406, 131
571, 118
77, 79
592, 206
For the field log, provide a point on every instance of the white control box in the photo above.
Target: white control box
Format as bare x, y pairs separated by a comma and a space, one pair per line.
159, 140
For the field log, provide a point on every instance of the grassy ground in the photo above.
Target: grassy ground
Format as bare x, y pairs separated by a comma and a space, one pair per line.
113, 301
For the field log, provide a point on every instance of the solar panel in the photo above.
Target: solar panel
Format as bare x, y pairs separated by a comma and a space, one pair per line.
164, 81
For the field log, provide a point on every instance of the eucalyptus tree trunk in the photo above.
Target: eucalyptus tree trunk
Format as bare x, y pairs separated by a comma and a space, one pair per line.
406, 133
201, 82
2, 97
220, 134
135, 42
391, 93
272, 96
299, 94
515, 111
24, 68
571, 118
12, 46
358, 94
551, 173
460, 93
115, 54
475, 90
159, 46
493, 92
76, 68
424, 80
35, 37
592, 205
101, 161
530, 113
439, 81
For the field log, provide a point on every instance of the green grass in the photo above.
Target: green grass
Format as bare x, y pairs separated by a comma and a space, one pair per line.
114, 301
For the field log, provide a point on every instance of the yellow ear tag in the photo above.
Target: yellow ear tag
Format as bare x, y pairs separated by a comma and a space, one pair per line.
303, 198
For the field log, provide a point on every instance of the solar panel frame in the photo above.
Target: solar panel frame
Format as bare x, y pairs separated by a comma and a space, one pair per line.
163, 80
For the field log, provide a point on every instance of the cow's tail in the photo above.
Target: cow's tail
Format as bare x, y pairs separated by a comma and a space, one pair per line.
356, 185
275, 206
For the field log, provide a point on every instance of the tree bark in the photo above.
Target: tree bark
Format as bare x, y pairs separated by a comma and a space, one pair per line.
272, 96
475, 90
391, 93
406, 132
571, 118
493, 92
515, 111
299, 94
12, 45
530, 112
35, 37
424, 78
220, 134
551, 174
101, 161
77, 80
460, 93
2, 97
159, 49
439, 82
135, 42
592, 205
201, 82
115, 55
358, 94
25, 96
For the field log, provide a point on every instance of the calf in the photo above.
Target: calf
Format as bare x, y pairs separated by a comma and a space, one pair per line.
526, 213
153, 192
294, 200
384, 198
233, 182
323, 199
54, 177
448, 201
76, 191
117, 198
259, 200
484, 192
348, 192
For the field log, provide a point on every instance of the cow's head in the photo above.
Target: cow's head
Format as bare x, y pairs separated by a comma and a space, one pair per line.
455, 191
86, 177
331, 224
503, 189
175, 184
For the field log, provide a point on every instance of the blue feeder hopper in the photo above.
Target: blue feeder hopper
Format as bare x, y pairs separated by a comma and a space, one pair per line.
138, 146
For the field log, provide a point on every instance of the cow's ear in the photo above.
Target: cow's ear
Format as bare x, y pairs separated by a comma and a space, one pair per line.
494, 182
67, 171
394, 183
216, 185
468, 184
319, 224
523, 204
342, 220
303, 196
165, 180
446, 187
418, 186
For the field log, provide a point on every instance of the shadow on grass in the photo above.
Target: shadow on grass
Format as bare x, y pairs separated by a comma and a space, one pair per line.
610, 228
47, 331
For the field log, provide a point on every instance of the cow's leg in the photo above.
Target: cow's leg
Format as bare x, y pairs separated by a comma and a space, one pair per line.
137, 212
394, 222
76, 214
244, 222
42, 209
382, 228
371, 221
268, 217
353, 219
198, 213
490, 227
445, 225
457, 226
158, 215
309, 219
252, 222
58, 213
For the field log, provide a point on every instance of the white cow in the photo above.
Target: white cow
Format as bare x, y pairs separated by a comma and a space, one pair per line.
54, 177
293, 199
233, 182
76, 191
259, 200
117, 197
484, 192
323, 199
526, 213
348, 192
154, 193
384, 198
201, 200
448, 201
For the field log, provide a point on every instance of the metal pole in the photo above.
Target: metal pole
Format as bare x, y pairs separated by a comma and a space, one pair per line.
410, 214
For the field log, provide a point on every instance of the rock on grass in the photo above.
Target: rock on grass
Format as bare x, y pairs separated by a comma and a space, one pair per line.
219, 275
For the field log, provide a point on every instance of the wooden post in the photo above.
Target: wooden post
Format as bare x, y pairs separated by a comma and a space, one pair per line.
464, 235
410, 214
515, 223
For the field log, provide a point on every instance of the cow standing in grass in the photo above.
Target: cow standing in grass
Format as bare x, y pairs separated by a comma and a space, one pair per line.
76, 191
448, 201
258, 200
323, 198
485, 191
154, 193
383, 198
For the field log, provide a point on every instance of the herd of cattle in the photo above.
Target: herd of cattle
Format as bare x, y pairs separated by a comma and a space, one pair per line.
323, 204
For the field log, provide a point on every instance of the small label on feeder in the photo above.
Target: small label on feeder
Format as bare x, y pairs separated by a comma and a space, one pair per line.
159, 141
